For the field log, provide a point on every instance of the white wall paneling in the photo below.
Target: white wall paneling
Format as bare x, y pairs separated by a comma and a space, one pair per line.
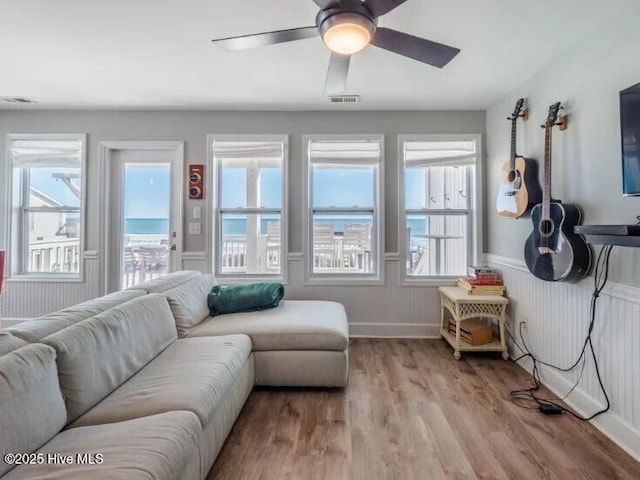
29, 299
195, 261
558, 317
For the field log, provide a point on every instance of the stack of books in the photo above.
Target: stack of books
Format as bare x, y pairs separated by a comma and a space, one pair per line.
483, 281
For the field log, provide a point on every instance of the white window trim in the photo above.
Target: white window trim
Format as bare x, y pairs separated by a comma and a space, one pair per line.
14, 264
212, 184
475, 246
328, 279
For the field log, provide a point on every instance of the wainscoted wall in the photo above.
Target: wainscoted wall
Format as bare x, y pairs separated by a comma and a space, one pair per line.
558, 317
32, 299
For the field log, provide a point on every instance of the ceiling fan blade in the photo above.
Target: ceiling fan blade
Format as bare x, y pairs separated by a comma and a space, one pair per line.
337, 74
244, 42
324, 4
419, 49
380, 7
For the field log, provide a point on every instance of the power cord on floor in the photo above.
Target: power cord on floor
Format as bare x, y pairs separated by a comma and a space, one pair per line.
551, 405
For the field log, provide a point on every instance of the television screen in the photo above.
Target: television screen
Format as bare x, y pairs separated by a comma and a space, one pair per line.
630, 124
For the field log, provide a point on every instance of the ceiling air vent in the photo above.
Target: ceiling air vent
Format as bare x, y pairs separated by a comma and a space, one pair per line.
345, 98
16, 100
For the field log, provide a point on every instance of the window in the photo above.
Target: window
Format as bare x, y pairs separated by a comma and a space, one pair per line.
250, 200
439, 218
344, 211
47, 204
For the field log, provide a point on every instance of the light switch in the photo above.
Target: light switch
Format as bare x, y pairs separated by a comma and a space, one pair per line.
197, 212
195, 228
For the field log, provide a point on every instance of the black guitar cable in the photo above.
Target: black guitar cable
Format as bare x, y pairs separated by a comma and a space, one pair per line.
601, 276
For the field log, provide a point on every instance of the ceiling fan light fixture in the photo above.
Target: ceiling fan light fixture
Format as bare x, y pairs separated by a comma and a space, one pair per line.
347, 33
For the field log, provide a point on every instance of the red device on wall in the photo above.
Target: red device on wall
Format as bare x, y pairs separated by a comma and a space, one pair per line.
196, 182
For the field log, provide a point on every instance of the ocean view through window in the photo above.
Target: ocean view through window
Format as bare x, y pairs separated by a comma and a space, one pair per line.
344, 211
249, 205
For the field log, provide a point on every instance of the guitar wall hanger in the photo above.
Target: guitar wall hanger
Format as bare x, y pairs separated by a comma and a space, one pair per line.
563, 122
524, 115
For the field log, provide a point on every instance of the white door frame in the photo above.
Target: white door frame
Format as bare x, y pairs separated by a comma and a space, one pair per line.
106, 186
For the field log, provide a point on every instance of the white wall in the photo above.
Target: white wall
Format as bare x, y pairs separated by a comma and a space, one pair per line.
415, 308
586, 171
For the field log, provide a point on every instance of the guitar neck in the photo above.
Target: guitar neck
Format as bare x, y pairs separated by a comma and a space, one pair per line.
546, 191
512, 158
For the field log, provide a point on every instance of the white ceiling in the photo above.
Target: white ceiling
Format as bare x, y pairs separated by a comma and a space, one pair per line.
157, 53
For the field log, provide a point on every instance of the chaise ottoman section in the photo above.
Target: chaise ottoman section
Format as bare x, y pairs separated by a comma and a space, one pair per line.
300, 343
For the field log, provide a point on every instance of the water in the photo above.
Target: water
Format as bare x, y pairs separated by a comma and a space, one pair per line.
238, 226
146, 226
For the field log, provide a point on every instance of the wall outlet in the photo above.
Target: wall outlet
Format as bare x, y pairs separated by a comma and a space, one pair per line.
195, 228
525, 322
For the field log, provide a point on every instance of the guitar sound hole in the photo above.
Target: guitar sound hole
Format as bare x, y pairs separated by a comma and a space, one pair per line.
512, 175
546, 228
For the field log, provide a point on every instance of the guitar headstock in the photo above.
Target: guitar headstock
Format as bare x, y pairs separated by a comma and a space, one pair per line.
517, 110
552, 116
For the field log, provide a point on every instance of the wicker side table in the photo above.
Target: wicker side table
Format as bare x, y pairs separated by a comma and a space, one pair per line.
463, 306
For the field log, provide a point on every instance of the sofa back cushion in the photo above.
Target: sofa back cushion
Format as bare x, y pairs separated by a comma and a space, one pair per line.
9, 343
166, 282
188, 302
99, 354
38, 328
31, 405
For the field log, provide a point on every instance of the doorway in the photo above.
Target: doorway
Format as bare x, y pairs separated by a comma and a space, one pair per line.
143, 201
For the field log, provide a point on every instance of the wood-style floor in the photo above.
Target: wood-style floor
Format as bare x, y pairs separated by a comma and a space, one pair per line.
411, 411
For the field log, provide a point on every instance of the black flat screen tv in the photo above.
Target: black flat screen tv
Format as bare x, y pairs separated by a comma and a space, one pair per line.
630, 125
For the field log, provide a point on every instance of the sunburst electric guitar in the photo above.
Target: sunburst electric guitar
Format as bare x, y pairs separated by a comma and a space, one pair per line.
553, 251
520, 189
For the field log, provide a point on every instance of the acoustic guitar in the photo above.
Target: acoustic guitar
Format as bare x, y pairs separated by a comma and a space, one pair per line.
553, 252
520, 189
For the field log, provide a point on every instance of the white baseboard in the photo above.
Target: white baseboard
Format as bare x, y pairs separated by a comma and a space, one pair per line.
612, 425
393, 330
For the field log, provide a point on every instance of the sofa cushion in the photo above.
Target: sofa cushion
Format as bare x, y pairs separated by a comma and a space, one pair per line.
31, 405
293, 325
38, 328
189, 302
155, 447
99, 354
166, 282
193, 374
9, 343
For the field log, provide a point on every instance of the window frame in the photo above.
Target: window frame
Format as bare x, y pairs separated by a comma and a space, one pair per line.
18, 214
474, 223
378, 219
214, 244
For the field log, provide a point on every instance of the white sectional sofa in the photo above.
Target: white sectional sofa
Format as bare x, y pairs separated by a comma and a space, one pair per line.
143, 384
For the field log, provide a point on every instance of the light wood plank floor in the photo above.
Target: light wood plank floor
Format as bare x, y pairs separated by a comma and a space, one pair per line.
411, 411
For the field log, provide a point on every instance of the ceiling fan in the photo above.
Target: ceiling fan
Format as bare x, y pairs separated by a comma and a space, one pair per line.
346, 27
